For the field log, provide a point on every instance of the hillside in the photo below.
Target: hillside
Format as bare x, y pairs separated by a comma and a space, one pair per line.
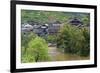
51, 16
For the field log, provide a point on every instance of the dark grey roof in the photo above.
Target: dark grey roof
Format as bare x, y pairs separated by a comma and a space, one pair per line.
75, 21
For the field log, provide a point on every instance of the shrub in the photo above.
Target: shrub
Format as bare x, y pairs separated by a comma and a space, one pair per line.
74, 40
37, 50
52, 38
25, 38
85, 43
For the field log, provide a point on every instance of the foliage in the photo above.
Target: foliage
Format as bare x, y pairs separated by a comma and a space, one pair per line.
86, 21
37, 51
74, 40
85, 43
52, 38
25, 38
51, 16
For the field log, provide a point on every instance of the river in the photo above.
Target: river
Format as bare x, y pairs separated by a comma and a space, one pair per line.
56, 55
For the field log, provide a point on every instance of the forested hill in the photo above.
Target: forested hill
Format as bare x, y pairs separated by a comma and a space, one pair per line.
51, 16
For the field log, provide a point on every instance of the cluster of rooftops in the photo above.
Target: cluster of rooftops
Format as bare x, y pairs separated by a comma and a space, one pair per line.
48, 28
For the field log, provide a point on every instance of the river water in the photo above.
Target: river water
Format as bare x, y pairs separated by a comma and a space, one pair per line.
60, 56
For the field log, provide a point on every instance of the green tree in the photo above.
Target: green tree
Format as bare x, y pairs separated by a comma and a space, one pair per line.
85, 43
86, 21
74, 40
25, 38
37, 50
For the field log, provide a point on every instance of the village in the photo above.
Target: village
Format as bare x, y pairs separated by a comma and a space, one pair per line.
47, 28
54, 36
